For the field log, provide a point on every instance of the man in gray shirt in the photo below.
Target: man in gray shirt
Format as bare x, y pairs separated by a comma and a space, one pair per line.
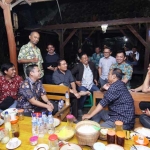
104, 66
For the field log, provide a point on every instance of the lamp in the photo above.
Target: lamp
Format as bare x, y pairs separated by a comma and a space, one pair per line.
104, 27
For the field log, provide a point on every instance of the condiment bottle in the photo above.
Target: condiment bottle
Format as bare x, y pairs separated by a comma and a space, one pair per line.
53, 142
21, 114
119, 126
7, 121
15, 128
70, 121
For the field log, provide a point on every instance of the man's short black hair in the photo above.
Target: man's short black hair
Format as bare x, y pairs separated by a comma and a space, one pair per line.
6, 66
121, 51
50, 44
30, 68
118, 73
107, 48
134, 47
59, 61
81, 54
97, 47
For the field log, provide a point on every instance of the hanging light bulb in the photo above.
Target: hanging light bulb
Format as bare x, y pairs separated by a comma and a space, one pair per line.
104, 27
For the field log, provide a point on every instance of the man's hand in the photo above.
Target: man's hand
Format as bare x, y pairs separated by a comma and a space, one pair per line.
147, 112
96, 82
78, 83
50, 104
106, 86
86, 116
77, 95
50, 68
35, 60
50, 107
132, 90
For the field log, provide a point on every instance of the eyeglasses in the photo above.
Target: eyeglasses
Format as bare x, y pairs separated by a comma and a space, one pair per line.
106, 52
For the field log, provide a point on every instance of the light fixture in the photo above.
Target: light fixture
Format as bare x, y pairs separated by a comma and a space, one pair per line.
104, 27
125, 38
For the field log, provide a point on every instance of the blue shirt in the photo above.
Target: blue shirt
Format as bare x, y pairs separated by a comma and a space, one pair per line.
120, 103
96, 57
28, 90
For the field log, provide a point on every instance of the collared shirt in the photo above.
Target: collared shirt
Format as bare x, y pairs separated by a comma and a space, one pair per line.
126, 69
27, 91
136, 53
9, 87
104, 64
61, 78
28, 52
87, 79
96, 57
120, 103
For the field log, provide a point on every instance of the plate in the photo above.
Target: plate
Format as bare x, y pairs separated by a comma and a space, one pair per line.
1, 121
70, 146
11, 144
41, 145
143, 131
113, 147
56, 122
11, 111
99, 145
135, 138
140, 147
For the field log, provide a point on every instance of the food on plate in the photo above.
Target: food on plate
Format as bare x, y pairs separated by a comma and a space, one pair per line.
65, 134
86, 129
104, 131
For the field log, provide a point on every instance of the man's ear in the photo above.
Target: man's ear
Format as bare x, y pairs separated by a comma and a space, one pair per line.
5, 71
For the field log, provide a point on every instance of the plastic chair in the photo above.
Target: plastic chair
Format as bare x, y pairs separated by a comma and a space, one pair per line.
89, 101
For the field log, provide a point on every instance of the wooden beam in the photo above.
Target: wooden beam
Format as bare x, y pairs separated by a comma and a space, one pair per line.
10, 34
97, 23
121, 30
69, 37
131, 28
147, 50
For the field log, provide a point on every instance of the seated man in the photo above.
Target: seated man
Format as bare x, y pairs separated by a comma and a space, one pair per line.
31, 91
119, 101
86, 74
9, 86
132, 56
144, 106
62, 76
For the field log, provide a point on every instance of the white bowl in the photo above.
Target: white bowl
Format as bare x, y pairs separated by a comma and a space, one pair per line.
70, 146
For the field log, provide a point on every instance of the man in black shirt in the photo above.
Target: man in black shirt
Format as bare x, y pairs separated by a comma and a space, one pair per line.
50, 63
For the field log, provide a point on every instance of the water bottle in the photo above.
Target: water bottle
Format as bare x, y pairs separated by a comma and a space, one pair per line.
34, 125
67, 98
7, 121
45, 121
40, 126
60, 104
50, 125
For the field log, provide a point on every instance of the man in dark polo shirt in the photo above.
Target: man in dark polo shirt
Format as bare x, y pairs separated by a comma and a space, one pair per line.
50, 63
63, 76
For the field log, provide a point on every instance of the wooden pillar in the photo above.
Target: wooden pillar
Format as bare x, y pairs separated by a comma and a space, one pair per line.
10, 34
61, 48
80, 38
147, 50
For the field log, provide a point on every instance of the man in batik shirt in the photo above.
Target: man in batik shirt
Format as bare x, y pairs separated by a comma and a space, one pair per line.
32, 96
30, 54
9, 86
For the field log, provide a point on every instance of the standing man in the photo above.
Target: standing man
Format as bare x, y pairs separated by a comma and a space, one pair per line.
9, 86
133, 56
31, 92
119, 101
97, 56
50, 63
104, 66
85, 74
122, 65
30, 54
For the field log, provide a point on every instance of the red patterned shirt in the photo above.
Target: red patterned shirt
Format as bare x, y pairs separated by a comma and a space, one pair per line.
9, 87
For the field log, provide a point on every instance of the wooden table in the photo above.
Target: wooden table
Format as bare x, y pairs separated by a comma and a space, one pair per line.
25, 134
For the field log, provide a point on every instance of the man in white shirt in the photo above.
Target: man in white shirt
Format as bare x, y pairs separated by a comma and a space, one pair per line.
104, 66
133, 56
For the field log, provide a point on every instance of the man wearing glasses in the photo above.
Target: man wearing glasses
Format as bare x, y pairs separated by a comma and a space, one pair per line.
104, 66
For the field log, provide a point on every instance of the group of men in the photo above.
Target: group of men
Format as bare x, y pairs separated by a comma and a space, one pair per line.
82, 81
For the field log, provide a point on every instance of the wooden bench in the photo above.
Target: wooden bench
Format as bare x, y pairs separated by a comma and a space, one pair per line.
57, 92
137, 97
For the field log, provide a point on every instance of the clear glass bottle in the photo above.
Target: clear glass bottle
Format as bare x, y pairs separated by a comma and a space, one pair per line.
7, 121
53, 142
70, 119
21, 114
15, 128
118, 126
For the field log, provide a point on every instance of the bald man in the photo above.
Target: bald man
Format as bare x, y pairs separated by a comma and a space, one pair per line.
30, 54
